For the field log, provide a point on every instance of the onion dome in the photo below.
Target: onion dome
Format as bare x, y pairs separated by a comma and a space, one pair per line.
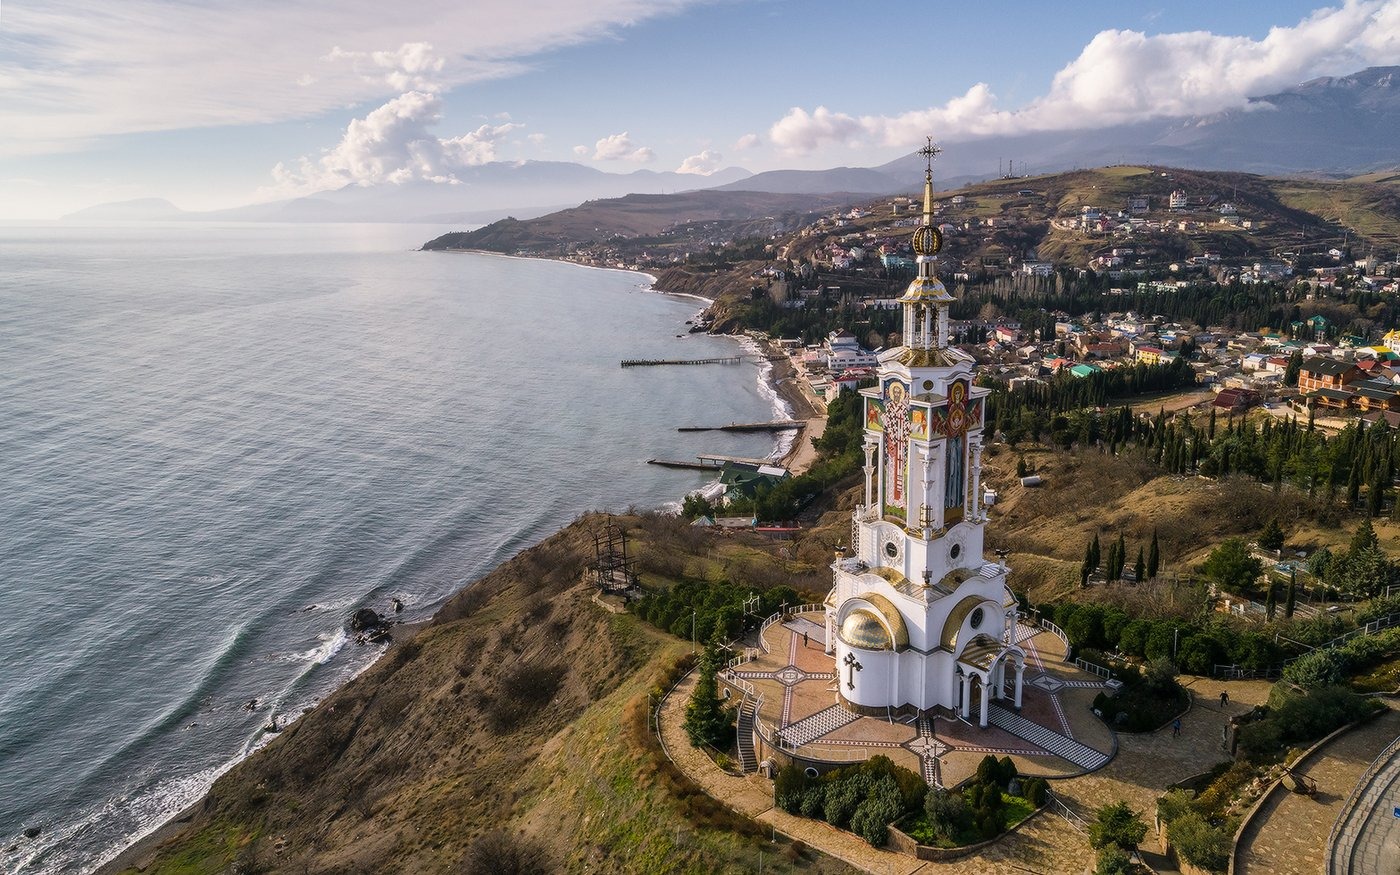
864, 630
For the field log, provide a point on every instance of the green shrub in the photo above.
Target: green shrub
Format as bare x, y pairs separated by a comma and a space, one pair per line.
1113, 860
946, 813
1200, 843
881, 807
1036, 790
843, 797
1116, 824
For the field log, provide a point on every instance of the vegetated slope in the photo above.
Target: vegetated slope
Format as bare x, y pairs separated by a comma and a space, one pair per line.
520, 707
637, 215
1085, 492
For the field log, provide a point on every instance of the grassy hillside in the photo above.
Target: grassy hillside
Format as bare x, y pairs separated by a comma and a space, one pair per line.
520, 708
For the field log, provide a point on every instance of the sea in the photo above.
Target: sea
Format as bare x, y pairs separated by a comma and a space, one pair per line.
220, 440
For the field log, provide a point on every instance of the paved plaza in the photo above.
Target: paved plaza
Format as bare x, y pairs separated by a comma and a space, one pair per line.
1054, 734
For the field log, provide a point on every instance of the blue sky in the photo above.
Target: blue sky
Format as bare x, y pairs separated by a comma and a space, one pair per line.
213, 104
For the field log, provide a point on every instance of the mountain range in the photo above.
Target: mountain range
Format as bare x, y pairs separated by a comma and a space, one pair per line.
1334, 126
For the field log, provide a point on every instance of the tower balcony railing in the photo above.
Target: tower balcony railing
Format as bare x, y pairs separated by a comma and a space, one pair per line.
866, 513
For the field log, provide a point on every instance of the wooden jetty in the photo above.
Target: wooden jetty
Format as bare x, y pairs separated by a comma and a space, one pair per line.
640, 363
776, 425
709, 462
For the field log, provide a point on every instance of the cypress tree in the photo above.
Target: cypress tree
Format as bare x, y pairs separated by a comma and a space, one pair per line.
1270, 604
1292, 596
1154, 556
1140, 568
1122, 559
1094, 545
1087, 568
1375, 495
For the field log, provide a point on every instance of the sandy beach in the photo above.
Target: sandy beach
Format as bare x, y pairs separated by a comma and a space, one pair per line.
804, 404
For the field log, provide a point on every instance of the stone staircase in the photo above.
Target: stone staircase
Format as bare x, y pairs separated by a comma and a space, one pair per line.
748, 760
1061, 745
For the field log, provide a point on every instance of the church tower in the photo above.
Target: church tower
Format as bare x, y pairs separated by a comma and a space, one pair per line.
918, 618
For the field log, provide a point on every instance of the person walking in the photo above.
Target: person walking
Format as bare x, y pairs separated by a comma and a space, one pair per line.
1176, 727
1224, 698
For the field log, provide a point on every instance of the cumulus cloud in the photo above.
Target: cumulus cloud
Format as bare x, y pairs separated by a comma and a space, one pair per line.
704, 164
618, 147
412, 67
392, 144
1126, 76
73, 71
747, 141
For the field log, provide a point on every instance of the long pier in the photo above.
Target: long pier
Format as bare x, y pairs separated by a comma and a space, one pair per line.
710, 462
776, 425
641, 363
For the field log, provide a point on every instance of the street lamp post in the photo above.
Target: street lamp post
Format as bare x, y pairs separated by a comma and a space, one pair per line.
692, 631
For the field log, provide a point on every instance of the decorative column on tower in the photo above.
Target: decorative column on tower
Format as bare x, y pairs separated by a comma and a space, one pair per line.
974, 503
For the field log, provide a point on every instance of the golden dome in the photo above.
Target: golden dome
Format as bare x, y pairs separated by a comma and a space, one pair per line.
927, 240
864, 630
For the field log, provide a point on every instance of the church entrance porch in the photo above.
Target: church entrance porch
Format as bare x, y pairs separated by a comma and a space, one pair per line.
800, 718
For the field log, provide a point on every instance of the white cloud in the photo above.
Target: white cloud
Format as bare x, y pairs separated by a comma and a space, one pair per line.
392, 144
704, 164
72, 71
619, 147
747, 141
1126, 76
537, 139
581, 151
413, 67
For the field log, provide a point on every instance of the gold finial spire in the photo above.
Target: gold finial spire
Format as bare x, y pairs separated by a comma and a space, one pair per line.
927, 240
929, 152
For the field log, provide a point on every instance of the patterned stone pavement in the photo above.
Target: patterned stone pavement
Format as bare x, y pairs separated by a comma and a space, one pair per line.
798, 684
1144, 765
1288, 835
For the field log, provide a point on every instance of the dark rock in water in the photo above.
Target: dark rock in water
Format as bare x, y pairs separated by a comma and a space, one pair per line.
33, 832
365, 619
398, 606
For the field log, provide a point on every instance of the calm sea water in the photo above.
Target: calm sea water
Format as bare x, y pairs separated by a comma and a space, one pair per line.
218, 441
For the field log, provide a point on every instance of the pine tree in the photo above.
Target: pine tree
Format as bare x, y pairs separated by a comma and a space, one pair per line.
1140, 567
1291, 598
1154, 556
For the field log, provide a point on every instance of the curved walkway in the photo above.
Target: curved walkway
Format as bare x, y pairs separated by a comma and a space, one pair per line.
1288, 834
1045, 845
1369, 836
1144, 766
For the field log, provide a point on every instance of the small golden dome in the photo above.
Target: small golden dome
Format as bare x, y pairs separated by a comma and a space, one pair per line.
927, 240
864, 630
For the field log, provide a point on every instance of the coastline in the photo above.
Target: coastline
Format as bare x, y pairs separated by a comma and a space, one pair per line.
780, 378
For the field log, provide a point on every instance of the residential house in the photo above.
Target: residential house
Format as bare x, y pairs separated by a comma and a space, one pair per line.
1326, 381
